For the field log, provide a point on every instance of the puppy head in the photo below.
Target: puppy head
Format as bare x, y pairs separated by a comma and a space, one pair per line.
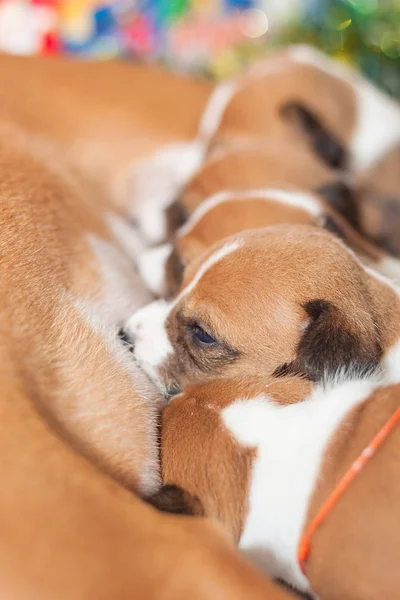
273, 301
231, 212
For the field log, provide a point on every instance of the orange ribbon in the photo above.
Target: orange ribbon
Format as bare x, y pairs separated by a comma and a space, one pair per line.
357, 466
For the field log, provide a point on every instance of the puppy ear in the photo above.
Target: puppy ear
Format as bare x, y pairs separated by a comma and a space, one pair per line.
174, 269
325, 143
329, 349
175, 216
342, 198
173, 499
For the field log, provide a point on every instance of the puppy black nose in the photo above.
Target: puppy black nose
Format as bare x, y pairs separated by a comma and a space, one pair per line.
126, 340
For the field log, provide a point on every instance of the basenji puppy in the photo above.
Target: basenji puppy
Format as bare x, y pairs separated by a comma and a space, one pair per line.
247, 164
301, 96
263, 457
229, 212
283, 299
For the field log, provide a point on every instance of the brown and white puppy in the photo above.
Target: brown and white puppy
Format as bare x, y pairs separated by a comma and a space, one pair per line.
263, 456
230, 212
272, 301
248, 164
301, 96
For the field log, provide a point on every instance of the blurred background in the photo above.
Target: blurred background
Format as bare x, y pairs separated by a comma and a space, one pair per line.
213, 37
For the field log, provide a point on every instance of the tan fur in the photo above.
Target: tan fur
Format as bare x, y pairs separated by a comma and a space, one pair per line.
379, 204
244, 212
253, 164
331, 99
103, 117
75, 410
354, 554
200, 455
253, 302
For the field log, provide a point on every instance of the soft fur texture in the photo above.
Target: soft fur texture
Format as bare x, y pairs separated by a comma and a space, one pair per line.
283, 299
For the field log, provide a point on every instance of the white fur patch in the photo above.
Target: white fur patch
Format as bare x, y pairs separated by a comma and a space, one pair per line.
157, 181
152, 346
291, 441
302, 201
377, 128
390, 267
147, 326
151, 266
391, 365
125, 235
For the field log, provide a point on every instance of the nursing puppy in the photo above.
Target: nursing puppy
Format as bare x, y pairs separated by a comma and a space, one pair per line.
301, 96
247, 164
273, 301
262, 457
230, 212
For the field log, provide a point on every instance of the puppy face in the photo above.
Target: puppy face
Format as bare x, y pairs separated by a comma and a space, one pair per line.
231, 212
284, 299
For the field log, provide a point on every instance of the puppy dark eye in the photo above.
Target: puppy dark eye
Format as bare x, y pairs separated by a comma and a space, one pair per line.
201, 336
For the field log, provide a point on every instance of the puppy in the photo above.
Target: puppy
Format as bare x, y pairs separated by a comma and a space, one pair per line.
262, 457
247, 164
230, 212
301, 96
273, 301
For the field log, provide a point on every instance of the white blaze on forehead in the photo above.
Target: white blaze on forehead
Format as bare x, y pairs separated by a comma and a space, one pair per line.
152, 265
377, 124
216, 257
302, 201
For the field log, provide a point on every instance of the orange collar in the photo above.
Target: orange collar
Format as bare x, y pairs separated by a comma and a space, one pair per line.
353, 471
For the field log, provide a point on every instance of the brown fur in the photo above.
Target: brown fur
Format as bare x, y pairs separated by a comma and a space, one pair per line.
379, 204
241, 213
330, 101
252, 164
354, 554
73, 414
102, 117
335, 317
200, 456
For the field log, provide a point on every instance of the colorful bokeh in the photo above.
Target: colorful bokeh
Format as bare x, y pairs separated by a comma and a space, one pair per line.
210, 36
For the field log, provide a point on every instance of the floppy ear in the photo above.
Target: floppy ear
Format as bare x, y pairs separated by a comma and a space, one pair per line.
176, 216
342, 198
174, 269
173, 499
325, 143
328, 349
